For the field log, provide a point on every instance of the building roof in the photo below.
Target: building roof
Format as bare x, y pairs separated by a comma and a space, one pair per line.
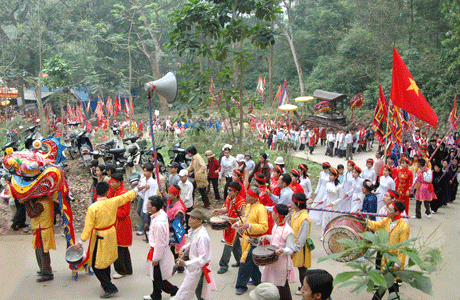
30, 94
329, 96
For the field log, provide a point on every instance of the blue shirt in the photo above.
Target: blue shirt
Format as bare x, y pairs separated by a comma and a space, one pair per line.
285, 196
370, 204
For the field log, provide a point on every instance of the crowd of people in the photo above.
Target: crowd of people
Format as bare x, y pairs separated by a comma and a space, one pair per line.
263, 204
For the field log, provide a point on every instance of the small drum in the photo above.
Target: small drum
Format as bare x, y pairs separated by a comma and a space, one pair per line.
219, 223
74, 257
264, 255
343, 227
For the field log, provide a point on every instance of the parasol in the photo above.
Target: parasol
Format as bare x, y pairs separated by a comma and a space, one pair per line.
288, 107
304, 99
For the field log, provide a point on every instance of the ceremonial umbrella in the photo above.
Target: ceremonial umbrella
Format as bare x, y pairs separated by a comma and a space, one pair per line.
288, 107
304, 99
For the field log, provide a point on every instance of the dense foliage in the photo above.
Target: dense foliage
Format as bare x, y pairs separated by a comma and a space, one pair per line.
114, 46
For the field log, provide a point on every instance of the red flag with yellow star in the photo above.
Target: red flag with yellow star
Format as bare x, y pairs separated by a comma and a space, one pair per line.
405, 93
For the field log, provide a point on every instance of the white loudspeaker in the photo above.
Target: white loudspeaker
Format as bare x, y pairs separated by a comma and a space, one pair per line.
165, 87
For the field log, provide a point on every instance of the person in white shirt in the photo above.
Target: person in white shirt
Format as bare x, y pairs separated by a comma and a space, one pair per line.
330, 143
305, 181
228, 164
148, 186
349, 145
386, 183
250, 164
347, 187
331, 199
369, 172
186, 194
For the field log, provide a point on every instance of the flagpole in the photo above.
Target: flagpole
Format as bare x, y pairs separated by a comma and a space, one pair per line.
155, 160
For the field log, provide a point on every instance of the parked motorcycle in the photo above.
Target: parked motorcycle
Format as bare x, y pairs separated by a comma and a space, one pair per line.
12, 140
70, 140
32, 134
84, 147
177, 154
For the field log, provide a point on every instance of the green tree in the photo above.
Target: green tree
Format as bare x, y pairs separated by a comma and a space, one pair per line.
225, 33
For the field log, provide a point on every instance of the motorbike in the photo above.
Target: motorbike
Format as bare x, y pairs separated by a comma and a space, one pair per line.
133, 155
12, 140
70, 140
32, 134
177, 154
84, 147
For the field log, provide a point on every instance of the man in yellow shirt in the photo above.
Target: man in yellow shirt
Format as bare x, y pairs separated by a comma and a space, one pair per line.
253, 225
40, 210
99, 226
398, 232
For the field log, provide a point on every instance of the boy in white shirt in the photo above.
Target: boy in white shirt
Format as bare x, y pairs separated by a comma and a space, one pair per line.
186, 194
147, 187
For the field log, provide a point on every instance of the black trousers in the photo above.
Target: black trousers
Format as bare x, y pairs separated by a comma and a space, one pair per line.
187, 217
418, 205
123, 264
199, 287
19, 219
43, 259
215, 186
285, 291
228, 180
160, 285
453, 191
227, 253
204, 196
176, 256
103, 275
302, 274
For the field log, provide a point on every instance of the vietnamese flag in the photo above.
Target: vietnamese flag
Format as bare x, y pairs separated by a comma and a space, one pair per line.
405, 93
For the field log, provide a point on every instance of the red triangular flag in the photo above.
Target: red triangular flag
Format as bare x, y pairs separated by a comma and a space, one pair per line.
405, 93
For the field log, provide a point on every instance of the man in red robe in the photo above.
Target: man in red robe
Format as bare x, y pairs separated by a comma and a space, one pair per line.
124, 230
233, 207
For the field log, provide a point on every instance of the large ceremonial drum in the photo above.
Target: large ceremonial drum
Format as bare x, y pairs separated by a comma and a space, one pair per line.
219, 223
343, 227
264, 255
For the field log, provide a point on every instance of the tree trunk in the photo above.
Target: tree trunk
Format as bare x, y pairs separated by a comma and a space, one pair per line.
21, 92
294, 56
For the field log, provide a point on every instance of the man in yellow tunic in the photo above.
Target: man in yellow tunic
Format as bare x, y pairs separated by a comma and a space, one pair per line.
100, 221
40, 210
253, 224
301, 224
398, 232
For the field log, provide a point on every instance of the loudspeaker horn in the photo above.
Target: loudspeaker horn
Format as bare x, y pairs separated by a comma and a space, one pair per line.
165, 87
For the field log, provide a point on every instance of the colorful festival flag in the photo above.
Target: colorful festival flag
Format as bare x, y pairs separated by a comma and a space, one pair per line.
260, 87
89, 105
453, 116
99, 110
109, 106
131, 106
405, 93
284, 94
126, 109
380, 116
117, 106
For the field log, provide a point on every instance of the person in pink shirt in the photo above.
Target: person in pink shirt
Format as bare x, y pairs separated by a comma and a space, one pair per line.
378, 165
160, 260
